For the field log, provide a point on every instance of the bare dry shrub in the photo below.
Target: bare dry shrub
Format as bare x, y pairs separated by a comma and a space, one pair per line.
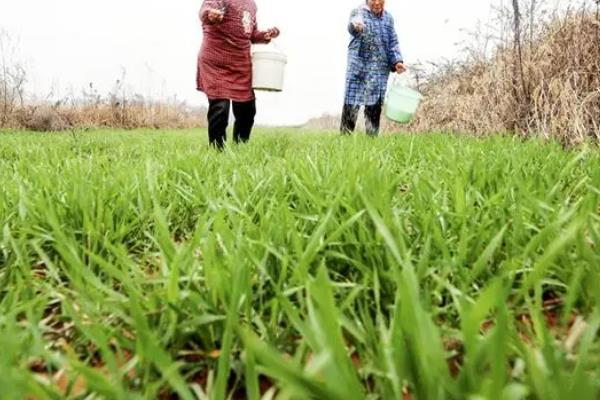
551, 87
42, 119
140, 113
324, 122
93, 110
120, 108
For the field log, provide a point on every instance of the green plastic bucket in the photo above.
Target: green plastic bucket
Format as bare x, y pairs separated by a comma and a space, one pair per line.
401, 103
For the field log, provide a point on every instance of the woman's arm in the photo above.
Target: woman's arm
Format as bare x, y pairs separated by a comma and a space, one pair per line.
394, 54
356, 24
263, 36
259, 37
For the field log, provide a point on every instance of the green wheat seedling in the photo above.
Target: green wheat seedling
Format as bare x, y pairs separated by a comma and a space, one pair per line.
143, 265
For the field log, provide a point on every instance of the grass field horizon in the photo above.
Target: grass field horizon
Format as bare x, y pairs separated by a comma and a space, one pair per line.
141, 265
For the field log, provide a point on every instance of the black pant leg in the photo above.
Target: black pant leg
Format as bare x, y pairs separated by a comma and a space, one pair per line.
349, 117
218, 118
373, 118
244, 114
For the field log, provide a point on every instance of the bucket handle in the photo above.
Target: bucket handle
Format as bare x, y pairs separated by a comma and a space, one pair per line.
274, 42
396, 80
395, 83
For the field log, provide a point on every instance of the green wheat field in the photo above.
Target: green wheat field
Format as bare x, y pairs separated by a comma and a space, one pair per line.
144, 265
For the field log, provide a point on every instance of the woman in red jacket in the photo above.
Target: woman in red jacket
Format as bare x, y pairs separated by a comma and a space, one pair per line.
225, 65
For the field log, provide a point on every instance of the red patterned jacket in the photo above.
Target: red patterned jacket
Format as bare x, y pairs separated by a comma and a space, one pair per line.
224, 62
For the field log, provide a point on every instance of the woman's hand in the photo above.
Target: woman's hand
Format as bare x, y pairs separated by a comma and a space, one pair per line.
400, 68
358, 26
215, 16
272, 33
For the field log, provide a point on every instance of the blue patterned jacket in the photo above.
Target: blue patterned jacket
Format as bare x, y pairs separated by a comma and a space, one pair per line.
372, 55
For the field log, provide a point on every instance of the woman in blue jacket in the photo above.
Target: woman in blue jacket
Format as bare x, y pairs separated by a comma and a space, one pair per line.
373, 53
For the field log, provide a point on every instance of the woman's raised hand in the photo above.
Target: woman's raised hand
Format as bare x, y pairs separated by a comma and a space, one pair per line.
358, 25
272, 33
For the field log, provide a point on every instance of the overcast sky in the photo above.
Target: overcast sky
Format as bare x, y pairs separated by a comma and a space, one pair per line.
69, 43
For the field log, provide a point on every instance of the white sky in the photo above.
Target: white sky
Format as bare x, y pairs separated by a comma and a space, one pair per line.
69, 43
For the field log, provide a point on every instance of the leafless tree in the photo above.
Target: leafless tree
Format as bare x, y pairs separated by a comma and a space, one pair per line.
519, 69
12, 79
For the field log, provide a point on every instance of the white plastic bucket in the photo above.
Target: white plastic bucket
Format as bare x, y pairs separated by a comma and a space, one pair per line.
268, 69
